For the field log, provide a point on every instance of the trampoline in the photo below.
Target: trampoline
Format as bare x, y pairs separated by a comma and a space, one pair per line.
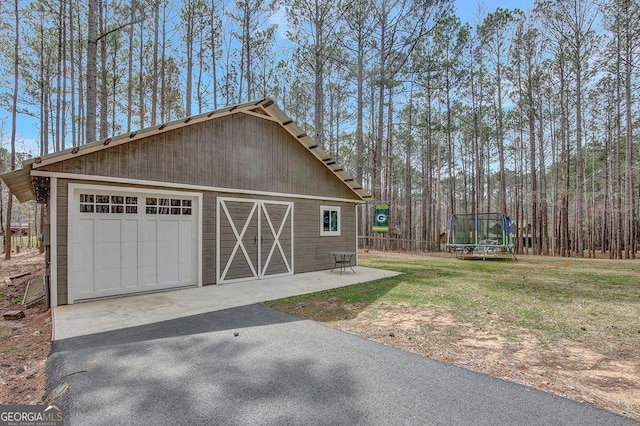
480, 236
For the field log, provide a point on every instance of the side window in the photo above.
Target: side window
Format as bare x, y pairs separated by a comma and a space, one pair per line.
329, 220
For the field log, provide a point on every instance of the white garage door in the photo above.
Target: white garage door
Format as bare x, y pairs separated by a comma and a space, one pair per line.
129, 241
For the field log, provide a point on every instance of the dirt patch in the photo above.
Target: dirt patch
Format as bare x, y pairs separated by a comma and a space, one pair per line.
565, 368
25, 342
328, 309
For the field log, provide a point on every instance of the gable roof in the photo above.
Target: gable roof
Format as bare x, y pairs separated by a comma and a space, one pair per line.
20, 181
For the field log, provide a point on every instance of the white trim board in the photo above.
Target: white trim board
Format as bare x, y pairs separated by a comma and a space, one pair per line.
53, 242
116, 180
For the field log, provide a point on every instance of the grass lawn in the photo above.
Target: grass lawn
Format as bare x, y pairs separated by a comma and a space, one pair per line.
570, 326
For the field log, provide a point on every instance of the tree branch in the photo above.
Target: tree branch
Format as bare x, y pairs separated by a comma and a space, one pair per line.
137, 21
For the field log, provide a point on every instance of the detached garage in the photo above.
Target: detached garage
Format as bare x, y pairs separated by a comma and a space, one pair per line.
240, 193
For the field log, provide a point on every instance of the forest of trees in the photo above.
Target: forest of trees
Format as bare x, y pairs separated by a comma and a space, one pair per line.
533, 113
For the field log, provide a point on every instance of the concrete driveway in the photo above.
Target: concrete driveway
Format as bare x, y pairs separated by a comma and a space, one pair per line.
251, 365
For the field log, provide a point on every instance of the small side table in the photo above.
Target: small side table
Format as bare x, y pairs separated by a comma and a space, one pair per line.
342, 260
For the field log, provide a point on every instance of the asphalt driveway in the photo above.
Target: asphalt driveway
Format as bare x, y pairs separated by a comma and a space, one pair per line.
281, 370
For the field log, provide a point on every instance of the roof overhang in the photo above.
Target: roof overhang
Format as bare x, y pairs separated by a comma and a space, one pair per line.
21, 185
19, 182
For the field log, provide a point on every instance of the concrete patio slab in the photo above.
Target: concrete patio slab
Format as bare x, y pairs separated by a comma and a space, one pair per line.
129, 311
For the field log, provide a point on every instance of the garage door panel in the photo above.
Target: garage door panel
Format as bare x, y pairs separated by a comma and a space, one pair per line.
168, 273
130, 255
84, 259
148, 244
170, 230
150, 230
108, 279
84, 232
108, 230
168, 253
186, 272
148, 254
108, 255
84, 281
130, 277
130, 231
131, 242
149, 275
185, 231
185, 252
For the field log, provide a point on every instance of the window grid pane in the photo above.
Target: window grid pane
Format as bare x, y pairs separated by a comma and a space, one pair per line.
101, 203
326, 220
168, 206
119, 204
330, 217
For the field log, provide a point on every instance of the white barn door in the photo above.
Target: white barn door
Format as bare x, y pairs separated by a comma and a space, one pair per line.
254, 239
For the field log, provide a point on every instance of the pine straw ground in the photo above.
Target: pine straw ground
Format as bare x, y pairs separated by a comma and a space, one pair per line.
25, 342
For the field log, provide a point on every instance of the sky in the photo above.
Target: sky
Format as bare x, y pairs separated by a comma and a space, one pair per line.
467, 10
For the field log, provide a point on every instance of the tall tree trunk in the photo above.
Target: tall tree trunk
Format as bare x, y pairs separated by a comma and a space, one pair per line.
104, 86
630, 236
154, 92
141, 85
92, 58
407, 174
544, 212
44, 95
14, 123
579, 160
450, 143
606, 203
617, 221
82, 113
389, 165
114, 87
564, 203
360, 122
318, 83
72, 83
163, 68
63, 129
131, 78
189, 18
214, 61
377, 149
501, 160
247, 64
60, 60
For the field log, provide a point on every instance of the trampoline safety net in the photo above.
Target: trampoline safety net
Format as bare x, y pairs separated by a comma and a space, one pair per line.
480, 235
